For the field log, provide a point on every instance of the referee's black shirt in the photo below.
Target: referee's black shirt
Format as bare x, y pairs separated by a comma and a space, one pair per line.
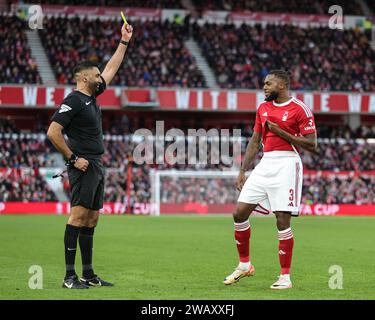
82, 121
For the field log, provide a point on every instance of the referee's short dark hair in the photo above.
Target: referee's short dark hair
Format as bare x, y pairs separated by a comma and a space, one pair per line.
84, 65
282, 74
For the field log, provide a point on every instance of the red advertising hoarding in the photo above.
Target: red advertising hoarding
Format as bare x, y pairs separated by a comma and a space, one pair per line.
305, 209
113, 208
185, 99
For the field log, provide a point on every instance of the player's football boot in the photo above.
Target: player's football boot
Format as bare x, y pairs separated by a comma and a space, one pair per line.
95, 281
238, 274
282, 283
73, 282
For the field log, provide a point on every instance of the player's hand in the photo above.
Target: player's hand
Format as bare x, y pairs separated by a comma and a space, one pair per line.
81, 164
274, 127
126, 32
240, 180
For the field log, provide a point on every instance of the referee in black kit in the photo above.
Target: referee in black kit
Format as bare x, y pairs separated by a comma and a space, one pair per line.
80, 118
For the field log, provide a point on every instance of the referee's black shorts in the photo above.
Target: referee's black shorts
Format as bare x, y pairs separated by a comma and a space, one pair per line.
87, 188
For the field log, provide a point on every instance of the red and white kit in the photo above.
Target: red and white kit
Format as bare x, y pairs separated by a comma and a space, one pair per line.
275, 184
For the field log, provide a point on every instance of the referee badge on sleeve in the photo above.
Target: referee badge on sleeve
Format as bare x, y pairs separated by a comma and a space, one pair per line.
64, 108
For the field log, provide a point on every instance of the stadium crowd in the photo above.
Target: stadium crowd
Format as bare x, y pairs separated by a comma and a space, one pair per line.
199, 190
140, 186
240, 56
293, 6
359, 157
338, 189
158, 56
341, 149
341, 156
165, 4
350, 7
345, 132
16, 63
316, 189
22, 152
321, 59
24, 185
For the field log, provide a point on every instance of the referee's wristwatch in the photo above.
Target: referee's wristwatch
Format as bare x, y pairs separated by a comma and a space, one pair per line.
72, 160
124, 42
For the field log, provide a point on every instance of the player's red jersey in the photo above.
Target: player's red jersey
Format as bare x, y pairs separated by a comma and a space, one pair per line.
292, 116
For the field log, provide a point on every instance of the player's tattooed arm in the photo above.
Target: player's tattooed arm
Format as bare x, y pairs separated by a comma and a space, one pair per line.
308, 142
251, 151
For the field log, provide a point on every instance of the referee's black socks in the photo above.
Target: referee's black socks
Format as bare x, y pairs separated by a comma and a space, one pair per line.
86, 238
70, 241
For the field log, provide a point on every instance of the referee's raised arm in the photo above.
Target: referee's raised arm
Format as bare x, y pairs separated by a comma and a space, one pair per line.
114, 63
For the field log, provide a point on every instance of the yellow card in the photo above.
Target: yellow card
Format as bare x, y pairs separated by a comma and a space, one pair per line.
123, 18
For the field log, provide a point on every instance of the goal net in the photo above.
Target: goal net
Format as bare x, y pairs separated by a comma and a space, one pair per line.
201, 192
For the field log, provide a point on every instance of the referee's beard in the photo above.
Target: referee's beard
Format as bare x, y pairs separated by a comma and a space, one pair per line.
93, 86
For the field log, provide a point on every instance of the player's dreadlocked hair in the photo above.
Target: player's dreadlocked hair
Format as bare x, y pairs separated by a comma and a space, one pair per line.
84, 65
282, 74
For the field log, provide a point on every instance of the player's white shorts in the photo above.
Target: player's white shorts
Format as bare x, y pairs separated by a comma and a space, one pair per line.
275, 184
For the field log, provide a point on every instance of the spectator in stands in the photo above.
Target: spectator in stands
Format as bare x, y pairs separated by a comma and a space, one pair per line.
163, 4
317, 189
292, 6
16, 63
336, 189
321, 59
341, 149
24, 186
159, 57
22, 152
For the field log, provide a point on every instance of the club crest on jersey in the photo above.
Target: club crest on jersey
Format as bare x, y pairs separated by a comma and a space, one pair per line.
285, 116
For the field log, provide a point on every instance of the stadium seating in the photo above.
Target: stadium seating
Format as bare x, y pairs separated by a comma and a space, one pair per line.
8, 126
24, 185
342, 156
335, 154
321, 59
203, 191
165, 4
25, 152
340, 150
345, 132
295, 6
336, 189
116, 186
16, 63
157, 56
316, 189
350, 7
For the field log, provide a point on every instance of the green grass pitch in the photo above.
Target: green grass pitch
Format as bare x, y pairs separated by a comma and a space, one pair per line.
187, 257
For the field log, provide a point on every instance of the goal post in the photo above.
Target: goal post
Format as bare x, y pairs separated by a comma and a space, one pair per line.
200, 191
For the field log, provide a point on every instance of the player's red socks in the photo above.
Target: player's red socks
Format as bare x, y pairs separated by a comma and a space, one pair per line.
242, 233
286, 242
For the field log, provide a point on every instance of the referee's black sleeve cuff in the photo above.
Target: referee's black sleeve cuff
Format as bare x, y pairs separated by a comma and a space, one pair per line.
61, 121
104, 83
